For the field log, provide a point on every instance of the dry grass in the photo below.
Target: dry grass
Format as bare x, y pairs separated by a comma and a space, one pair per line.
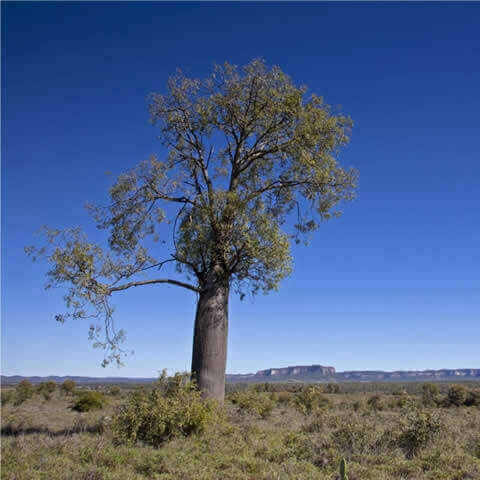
46, 440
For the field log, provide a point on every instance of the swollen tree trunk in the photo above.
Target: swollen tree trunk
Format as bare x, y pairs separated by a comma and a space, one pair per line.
209, 358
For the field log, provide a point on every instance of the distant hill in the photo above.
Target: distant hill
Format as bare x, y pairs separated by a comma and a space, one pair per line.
16, 378
319, 373
302, 373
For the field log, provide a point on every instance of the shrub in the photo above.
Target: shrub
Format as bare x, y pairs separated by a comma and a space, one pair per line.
375, 402
351, 438
23, 391
253, 402
402, 400
6, 396
332, 388
68, 387
263, 387
46, 389
89, 401
456, 395
357, 405
472, 398
421, 428
50, 386
316, 422
174, 407
310, 399
114, 391
298, 445
429, 394
284, 398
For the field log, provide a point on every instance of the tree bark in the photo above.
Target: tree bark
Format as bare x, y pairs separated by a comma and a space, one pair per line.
209, 358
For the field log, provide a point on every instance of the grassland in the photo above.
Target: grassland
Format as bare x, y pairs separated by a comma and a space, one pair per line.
384, 431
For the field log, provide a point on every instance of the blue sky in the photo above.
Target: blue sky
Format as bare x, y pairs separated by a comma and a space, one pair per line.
392, 284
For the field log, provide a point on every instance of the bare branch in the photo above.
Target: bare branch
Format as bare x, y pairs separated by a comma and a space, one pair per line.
151, 282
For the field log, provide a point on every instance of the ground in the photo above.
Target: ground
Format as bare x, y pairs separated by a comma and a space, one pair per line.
382, 431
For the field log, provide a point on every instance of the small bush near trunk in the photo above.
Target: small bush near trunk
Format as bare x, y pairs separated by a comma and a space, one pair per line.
174, 407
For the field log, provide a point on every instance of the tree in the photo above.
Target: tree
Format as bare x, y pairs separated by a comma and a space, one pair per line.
68, 387
456, 395
251, 165
429, 394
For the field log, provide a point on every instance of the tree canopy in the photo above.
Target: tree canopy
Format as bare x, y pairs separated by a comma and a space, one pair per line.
252, 165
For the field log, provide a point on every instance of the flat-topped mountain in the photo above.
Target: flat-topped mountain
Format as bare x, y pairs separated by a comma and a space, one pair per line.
320, 373
298, 370
303, 373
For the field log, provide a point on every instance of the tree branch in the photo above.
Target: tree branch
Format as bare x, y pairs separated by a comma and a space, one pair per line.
151, 282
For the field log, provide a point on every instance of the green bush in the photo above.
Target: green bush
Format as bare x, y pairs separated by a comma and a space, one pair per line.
357, 405
429, 394
68, 387
46, 389
456, 395
23, 391
114, 391
422, 427
316, 422
332, 388
351, 438
50, 386
472, 398
263, 387
298, 446
253, 402
311, 399
174, 407
89, 401
6, 396
284, 398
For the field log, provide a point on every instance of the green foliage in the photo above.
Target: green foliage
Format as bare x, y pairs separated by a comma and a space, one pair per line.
357, 405
472, 398
456, 395
174, 407
23, 391
251, 164
284, 398
299, 446
332, 388
421, 428
343, 470
46, 389
114, 391
311, 399
429, 394
351, 438
68, 387
253, 402
6, 396
89, 401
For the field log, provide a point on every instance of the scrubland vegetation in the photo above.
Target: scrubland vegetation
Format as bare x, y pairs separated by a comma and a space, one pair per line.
264, 431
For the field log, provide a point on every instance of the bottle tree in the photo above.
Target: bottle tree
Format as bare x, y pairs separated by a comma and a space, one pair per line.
251, 165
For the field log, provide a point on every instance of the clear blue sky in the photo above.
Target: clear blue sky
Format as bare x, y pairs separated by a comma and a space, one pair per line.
393, 284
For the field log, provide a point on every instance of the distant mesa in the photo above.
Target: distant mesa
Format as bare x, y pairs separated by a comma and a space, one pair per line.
320, 373
298, 370
302, 373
